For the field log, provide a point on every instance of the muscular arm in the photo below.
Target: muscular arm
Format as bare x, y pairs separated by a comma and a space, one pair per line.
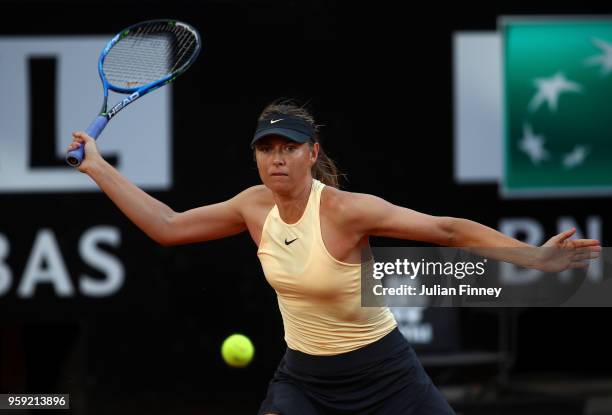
364, 215
156, 219
371, 215
160, 222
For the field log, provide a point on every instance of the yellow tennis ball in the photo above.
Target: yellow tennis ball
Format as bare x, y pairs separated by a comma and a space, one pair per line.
237, 350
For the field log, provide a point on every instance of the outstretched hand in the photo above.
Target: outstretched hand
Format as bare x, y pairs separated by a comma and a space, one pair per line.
560, 253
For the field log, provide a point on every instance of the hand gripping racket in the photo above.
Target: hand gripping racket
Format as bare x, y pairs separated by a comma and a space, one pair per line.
139, 60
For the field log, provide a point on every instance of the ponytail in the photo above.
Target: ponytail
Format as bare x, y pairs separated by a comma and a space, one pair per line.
325, 170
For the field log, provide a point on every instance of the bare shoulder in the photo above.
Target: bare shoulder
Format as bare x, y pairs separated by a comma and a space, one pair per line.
258, 194
336, 198
332, 198
358, 212
254, 200
341, 205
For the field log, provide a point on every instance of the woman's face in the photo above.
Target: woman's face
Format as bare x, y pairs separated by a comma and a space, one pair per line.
283, 164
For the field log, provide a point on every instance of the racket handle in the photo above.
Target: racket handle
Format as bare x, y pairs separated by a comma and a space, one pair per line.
75, 157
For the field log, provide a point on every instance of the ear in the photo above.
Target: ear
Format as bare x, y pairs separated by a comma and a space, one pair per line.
314, 153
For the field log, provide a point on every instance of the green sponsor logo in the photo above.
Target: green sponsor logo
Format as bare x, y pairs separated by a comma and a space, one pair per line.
558, 107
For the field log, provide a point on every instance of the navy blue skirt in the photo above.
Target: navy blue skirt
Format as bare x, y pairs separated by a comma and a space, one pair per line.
382, 378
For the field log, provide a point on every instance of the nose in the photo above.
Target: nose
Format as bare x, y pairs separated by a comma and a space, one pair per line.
277, 159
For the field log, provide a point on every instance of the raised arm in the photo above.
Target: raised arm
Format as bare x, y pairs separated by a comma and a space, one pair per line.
153, 217
371, 215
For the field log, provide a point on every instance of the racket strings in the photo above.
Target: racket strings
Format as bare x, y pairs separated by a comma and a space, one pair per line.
138, 58
135, 62
148, 54
175, 48
185, 50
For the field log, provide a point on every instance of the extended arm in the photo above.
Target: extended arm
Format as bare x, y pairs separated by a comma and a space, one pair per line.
153, 217
371, 215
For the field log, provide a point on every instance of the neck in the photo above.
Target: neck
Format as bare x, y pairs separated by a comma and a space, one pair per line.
291, 206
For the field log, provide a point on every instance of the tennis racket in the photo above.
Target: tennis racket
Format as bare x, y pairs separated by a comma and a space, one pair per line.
138, 60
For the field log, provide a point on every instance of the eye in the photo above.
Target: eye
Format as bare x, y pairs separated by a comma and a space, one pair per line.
263, 149
291, 148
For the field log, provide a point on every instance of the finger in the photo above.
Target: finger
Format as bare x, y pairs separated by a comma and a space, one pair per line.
566, 234
77, 140
81, 135
587, 242
585, 256
579, 253
590, 251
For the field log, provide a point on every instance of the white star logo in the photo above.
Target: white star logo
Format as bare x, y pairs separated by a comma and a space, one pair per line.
533, 145
549, 90
575, 157
605, 59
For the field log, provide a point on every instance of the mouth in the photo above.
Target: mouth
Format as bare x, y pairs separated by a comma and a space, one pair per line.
279, 174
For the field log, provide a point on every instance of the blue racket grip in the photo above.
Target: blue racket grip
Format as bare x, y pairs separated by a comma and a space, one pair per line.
75, 157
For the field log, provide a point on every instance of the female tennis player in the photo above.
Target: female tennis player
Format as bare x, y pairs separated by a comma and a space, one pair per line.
341, 358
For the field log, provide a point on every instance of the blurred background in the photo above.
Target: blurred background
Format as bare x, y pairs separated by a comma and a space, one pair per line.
412, 102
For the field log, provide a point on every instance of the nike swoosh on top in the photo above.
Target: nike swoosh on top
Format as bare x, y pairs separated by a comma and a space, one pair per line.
275, 121
291, 241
